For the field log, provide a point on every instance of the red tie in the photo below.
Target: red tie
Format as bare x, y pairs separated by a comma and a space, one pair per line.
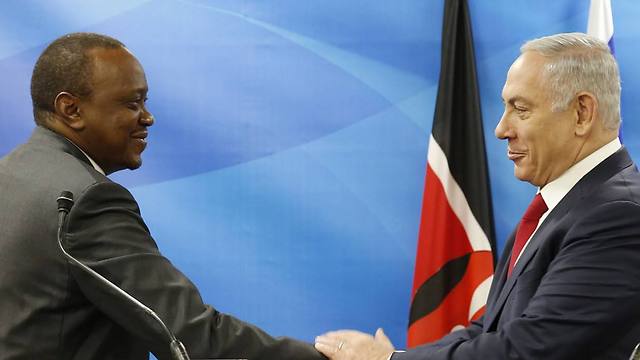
526, 227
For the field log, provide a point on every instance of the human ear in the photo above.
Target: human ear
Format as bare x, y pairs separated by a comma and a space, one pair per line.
66, 107
586, 109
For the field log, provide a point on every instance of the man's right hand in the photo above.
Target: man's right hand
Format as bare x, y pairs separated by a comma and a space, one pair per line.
354, 345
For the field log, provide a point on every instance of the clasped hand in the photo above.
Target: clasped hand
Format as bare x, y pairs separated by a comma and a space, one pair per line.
354, 345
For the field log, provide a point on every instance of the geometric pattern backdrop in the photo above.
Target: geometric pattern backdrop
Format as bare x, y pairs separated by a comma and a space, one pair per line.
285, 170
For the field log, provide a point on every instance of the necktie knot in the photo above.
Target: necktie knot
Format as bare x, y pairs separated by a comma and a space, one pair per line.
535, 209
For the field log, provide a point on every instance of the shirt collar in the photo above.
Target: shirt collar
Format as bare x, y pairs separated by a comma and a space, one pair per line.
553, 192
93, 163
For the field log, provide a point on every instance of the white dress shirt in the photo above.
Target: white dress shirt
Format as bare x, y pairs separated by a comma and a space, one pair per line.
93, 163
555, 191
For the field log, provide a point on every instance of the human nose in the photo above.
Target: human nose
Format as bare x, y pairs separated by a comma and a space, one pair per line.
147, 118
503, 130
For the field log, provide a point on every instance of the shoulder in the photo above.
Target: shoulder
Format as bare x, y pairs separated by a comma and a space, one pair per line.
623, 188
36, 173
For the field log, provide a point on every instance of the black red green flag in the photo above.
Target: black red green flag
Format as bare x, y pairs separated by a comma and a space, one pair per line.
454, 261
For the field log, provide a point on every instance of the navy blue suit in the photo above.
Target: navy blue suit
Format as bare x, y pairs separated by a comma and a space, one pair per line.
575, 291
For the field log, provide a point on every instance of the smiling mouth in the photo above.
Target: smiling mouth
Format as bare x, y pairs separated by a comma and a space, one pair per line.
141, 135
514, 155
140, 138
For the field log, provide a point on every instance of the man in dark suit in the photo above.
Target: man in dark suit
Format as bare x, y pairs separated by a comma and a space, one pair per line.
568, 283
89, 96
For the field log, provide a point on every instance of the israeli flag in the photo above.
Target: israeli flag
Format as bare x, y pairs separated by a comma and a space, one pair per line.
600, 22
600, 25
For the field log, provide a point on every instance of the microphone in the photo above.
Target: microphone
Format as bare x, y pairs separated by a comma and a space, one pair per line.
65, 202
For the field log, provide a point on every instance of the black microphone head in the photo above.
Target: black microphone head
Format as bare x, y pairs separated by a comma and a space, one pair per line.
65, 201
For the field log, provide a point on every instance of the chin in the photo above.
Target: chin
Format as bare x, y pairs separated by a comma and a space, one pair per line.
134, 163
521, 175
134, 166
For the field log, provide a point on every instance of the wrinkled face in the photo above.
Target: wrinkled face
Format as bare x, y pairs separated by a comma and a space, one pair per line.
541, 143
114, 115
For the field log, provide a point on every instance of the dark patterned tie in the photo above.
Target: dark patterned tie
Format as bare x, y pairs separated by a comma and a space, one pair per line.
526, 227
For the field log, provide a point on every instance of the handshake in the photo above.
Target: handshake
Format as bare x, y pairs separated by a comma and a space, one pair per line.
355, 345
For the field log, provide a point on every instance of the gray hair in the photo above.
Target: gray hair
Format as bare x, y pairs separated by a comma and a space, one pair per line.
579, 62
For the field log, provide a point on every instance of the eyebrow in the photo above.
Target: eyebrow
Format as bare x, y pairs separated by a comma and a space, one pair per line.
515, 99
137, 92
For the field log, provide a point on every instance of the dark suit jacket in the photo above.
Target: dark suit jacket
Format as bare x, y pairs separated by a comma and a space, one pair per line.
52, 310
575, 291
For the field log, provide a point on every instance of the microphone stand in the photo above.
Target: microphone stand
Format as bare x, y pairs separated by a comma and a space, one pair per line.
65, 202
635, 355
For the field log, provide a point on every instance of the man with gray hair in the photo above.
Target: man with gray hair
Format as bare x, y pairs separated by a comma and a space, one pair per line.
568, 283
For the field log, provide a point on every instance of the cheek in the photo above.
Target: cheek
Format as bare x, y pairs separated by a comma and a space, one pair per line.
116, 141
547, 149
533, 137
125, 125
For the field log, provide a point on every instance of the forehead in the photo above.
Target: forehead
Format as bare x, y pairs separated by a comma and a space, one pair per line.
525, 77
116, 70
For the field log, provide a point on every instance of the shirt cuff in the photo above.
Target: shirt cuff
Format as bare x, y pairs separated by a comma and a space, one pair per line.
397, 351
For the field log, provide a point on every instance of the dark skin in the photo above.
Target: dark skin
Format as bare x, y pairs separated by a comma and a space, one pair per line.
110, 125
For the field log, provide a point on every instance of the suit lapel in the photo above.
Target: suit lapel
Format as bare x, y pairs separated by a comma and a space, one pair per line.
532, 247
498, 296
497, 285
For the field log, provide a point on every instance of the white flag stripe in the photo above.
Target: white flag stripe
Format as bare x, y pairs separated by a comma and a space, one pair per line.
600, 24
458, 202
480, 295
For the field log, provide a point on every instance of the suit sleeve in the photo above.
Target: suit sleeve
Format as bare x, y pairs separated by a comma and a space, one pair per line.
588, 297
106, 232
456, 337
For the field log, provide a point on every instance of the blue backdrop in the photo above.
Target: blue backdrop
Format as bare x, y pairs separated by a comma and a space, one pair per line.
293, 134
